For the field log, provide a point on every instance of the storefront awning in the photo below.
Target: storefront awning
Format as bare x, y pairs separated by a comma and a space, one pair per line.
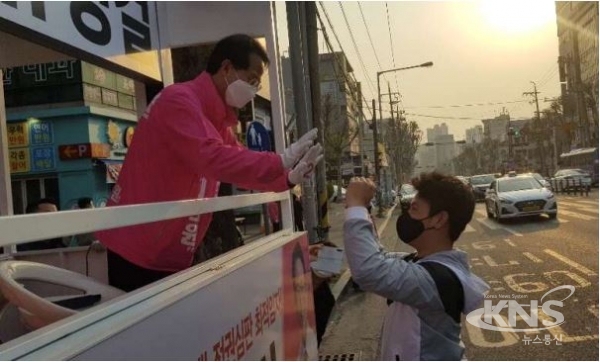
113, 169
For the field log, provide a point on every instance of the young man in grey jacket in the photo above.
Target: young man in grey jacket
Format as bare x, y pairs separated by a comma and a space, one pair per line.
428, 290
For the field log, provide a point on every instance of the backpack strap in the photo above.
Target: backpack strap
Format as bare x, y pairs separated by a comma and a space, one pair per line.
449, 288
448, 285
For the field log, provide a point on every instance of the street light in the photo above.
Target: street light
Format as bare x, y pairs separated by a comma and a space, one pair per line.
375, 140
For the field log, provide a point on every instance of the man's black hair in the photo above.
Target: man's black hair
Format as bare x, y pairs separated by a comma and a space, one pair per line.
32, 207
447, 193
237, 48
84, 202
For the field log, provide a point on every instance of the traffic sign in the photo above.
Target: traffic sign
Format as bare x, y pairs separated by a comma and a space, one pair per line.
257, 137
83, 150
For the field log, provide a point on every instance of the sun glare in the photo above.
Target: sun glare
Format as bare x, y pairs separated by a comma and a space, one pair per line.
517, 17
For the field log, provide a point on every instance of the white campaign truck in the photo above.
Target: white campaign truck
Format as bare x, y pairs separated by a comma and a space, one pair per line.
245, 304
237, 306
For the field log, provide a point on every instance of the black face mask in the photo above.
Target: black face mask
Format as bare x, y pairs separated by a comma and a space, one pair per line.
409, 229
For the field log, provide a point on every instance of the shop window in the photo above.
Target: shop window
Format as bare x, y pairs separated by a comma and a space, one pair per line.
30, 190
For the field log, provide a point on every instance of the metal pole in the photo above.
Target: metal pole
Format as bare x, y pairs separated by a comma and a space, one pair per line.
555, 158
6, 201
315, 88
378, 172
301, 84
376, 158
363, 171
537, 105
510, 144
6, 204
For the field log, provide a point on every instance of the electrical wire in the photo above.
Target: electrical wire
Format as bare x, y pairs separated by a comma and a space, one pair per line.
369, 35
330, 46
391, 43
443, 117
468, 105
360, 60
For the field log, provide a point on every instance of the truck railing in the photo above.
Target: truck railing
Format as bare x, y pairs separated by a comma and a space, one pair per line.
73, 335
20, 229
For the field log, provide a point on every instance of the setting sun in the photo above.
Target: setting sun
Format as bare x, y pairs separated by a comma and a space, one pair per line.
516, 17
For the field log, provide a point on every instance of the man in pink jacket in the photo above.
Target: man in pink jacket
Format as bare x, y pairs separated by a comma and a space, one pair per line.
183, 148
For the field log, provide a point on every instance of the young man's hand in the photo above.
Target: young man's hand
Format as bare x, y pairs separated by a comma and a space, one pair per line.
360, 192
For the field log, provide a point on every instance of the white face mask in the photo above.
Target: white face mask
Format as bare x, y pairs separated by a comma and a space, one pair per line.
239, 93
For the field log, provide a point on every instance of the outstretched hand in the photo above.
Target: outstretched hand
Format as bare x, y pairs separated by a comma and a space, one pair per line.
360, 192
292, 154
306, 167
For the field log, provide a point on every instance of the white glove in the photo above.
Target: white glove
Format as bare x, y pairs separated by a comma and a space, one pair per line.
306, 167
292, 154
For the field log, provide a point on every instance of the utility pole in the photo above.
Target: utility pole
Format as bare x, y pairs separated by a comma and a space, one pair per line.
376, 159
555, 158
363, 170
535, 95
296, 17
315, 90
379, 74
538, 119
388, 177
510, 132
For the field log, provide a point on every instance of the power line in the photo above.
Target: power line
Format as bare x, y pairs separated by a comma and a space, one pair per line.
328, 43
360, 60
369, 35
549, 78
546, 73
391, 43
443, 117
469, 105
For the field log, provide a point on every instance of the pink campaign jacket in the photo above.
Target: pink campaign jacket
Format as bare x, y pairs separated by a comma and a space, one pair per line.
183, 147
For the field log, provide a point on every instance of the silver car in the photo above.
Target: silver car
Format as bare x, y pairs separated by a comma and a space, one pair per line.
519, 196
571, 179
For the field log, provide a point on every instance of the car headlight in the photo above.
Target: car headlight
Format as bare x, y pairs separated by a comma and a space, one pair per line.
550, 197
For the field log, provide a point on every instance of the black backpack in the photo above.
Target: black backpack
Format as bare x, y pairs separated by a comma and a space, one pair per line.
448, 285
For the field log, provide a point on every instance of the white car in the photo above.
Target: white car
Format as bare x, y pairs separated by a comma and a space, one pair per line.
407, 193
518, 196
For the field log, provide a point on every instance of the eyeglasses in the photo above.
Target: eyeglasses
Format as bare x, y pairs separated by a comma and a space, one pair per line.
256, 84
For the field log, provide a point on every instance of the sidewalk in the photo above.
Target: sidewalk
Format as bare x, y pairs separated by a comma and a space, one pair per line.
354, 327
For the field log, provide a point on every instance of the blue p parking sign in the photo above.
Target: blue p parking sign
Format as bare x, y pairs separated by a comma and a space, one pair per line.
257, 137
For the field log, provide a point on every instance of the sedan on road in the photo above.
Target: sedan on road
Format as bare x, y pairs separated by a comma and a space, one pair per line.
480, 183
519, 196
407, 193
571, 179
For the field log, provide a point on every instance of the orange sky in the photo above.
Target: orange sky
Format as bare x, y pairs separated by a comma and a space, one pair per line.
483, 52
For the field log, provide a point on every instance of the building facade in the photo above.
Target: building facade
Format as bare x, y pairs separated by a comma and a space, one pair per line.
437, 130
496, 128
339, 87
577, 31
69, 126
438, 156
474, 135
